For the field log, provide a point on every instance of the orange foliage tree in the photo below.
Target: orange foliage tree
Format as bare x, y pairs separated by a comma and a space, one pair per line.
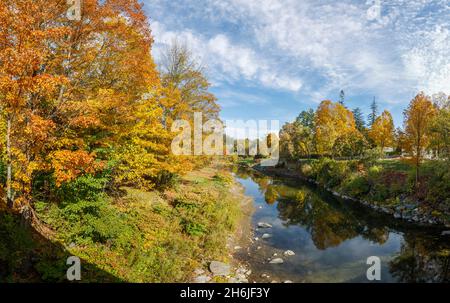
77, 93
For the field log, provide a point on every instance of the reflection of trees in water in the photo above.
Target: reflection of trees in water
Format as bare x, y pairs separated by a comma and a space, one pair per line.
271, 195
329, 226
421, 259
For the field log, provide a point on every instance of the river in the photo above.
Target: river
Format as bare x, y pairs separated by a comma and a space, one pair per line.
332, 239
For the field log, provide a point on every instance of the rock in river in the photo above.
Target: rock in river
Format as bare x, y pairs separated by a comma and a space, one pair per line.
289, 253
276, 261
264, 225
266, 236
219, 268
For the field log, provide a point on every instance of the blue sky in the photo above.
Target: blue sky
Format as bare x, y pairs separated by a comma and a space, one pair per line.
270, 59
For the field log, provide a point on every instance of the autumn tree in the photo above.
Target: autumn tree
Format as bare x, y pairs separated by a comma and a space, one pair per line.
400, 141
440, 132
382, 130
27, 88
350, 144
181, 71
73, 89
418, 117
331, 121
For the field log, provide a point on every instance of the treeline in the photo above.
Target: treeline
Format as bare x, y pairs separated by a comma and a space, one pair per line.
85, 98
335, 131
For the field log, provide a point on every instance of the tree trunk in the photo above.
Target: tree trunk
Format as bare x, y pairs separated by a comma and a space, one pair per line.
418, 155
9, 198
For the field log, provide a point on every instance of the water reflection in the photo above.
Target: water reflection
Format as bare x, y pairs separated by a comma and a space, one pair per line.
338, 228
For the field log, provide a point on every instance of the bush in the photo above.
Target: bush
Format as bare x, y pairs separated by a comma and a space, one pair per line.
332, 173
307, 170
371, 156
356, 186
435, 180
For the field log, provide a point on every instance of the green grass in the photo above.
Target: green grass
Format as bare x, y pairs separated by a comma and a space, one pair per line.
148, 236
395, 165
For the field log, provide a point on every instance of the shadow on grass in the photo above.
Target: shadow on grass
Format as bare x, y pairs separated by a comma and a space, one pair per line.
27, 256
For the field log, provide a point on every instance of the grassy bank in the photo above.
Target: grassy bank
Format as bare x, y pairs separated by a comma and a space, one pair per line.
137, 237
386, 185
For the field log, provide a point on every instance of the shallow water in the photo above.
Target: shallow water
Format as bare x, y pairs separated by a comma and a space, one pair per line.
332, 239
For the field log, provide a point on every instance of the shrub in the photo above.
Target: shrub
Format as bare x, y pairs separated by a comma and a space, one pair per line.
223, 178
306, 170
332, 173
371, 156
435, 181
356, 186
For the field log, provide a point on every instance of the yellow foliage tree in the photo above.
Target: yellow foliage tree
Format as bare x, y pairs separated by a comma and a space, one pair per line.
418, 118
382, 130
332, 120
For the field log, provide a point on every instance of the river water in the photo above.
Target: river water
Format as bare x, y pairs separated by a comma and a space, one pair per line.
332, 239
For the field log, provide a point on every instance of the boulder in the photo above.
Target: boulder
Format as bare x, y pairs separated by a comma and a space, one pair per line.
289, 253
219, 268
276, 261
264, 225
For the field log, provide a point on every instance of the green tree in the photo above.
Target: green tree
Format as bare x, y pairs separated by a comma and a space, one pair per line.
359, 120
342, 97
373, 112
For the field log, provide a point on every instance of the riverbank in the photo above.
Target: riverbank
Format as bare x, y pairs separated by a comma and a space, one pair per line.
400, 207
181, 234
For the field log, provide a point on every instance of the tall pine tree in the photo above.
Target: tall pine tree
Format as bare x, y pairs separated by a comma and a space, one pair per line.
359, 119
373, 112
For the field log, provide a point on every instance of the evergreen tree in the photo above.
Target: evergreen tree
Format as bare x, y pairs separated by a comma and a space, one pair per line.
374, 112
342, 97
359, 119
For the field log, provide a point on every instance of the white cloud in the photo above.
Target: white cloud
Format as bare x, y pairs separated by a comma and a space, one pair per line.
428, 61
225, 60
339, 42
320, 46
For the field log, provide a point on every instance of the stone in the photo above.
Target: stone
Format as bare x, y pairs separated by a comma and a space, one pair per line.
264, 225
202, 279
237, 247
241, 271
288, 281
219, 268
446, 233
266, 236
276, 261
289, 253
199, 272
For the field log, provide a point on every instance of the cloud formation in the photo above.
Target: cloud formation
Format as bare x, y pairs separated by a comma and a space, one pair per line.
316, 47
